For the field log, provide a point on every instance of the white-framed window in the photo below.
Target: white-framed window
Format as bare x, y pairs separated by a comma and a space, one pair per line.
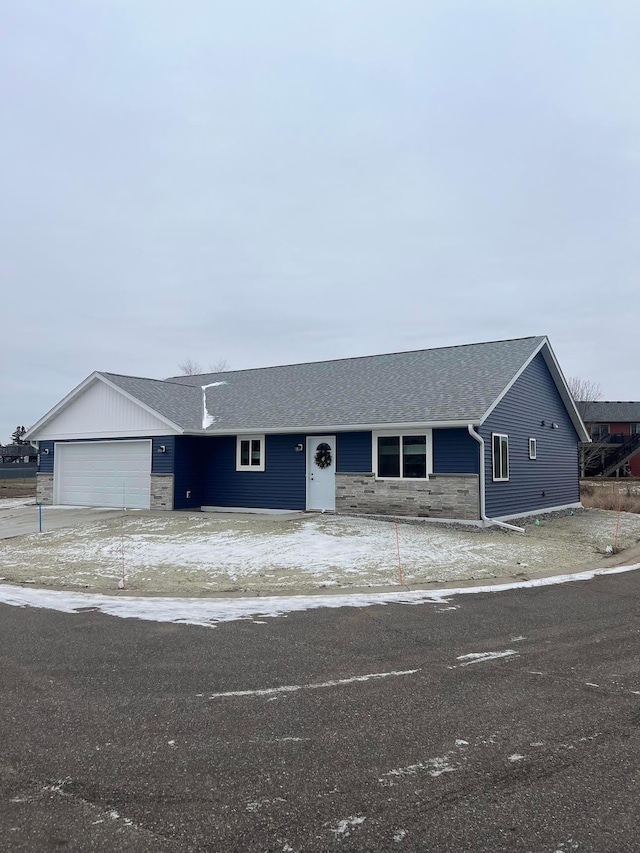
533, 448
403, 455
500, 456
250, 453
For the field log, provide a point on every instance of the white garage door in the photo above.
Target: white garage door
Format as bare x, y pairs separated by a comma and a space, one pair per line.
103, 473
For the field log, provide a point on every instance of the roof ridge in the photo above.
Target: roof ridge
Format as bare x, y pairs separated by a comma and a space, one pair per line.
145, 378
353, 358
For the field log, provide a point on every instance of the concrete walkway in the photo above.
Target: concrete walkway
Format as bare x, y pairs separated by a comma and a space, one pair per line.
21, 520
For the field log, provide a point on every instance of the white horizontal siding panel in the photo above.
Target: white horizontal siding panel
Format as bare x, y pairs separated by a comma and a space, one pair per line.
103, 473
102, 412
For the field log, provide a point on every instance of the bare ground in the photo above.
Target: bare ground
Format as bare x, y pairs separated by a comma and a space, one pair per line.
201, 554
19, 488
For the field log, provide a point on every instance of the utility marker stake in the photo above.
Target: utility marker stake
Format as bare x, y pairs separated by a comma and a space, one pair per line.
398, 547
615, 541
40, 517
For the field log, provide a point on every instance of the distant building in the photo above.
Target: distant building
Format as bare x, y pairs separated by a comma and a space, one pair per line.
614, 427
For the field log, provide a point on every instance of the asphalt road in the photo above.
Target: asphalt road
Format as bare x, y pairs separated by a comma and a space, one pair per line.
111, 740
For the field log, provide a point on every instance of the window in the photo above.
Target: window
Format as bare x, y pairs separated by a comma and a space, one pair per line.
500, 454
533, 448
403, 456
600, 432
250, 453
635, 429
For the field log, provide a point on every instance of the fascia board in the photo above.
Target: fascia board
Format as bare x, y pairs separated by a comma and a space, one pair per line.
79, 389
332, 428
62, 404
513, 381
561, 383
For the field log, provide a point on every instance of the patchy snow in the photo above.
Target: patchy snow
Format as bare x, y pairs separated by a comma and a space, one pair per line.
293, 688
207, 417
481, 657
185, 554
343, 827
516, 757
399, 834
10, 503
208, 612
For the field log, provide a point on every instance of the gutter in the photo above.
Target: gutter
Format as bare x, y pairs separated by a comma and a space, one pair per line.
487, 521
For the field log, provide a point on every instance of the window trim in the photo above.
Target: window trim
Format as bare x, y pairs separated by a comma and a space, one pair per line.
533, 448
500, 435
401, 433
255, 468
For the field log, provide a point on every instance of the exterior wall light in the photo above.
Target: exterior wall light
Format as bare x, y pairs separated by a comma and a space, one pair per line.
45, 450
299, 448
162, 448
555, 426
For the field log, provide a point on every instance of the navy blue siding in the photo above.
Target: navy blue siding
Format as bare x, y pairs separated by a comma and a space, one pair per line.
353, 453
189, 470
455, 452
282, 485
161, 463
534, 484
45, 459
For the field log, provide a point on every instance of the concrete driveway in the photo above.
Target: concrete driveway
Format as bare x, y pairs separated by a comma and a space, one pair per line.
18, 518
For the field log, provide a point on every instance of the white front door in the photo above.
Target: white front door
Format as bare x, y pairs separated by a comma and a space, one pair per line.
321, 472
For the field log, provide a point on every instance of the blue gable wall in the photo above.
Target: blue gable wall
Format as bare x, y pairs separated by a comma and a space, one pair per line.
553, 478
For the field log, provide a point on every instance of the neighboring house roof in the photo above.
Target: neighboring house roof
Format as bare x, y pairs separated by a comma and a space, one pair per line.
17, 450
610, 411
449, 385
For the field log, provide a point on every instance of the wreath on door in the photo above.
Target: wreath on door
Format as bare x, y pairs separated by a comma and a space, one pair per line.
323, 455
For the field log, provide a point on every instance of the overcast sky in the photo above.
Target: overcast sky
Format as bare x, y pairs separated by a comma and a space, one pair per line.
272, 182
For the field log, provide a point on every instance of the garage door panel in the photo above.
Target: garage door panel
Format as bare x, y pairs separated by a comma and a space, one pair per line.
109, 473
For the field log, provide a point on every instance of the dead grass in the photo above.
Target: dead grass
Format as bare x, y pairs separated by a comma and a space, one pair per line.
20, 488
611, 495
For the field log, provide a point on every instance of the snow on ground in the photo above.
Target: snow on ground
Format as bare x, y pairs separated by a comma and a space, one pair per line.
206, 554
9, 503
207, 612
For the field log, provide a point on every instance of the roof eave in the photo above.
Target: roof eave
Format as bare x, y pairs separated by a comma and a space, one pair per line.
96, 376
327, 428
561, 384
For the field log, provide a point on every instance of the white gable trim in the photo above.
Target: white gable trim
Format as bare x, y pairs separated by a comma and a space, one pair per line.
33, 431
560, 383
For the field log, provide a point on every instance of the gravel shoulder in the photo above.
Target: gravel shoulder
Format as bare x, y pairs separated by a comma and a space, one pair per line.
202, 554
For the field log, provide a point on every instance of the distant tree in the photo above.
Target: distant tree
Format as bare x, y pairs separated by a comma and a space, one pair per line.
584, 391
189, 367
17, 436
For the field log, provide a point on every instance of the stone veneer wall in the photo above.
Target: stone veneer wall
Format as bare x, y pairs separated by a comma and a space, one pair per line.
44, 489
162, 491
441, 496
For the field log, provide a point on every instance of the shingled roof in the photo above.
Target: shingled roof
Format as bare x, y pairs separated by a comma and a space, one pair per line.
448, 384
430, 387
610, 411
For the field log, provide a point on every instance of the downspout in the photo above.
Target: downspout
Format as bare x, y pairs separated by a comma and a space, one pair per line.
483, 515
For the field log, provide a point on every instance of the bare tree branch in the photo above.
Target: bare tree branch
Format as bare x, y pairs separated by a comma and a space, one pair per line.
189, 367
219, 366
